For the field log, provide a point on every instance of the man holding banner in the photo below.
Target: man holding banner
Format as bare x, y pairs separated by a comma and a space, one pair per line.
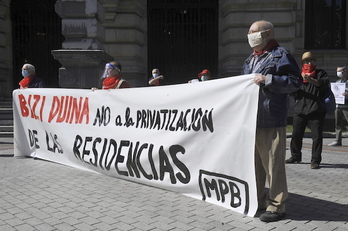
277, 75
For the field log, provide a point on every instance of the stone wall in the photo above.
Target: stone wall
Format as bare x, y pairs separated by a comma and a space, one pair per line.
6, 79
234, 21
288, 19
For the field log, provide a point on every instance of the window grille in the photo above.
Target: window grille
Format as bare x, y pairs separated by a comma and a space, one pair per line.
36, 30
325, 24
182, 38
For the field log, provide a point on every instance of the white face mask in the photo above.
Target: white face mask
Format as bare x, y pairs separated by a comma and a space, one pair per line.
339, 74
204, 78
255, 39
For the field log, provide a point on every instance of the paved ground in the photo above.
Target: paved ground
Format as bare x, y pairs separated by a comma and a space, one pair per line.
40, 195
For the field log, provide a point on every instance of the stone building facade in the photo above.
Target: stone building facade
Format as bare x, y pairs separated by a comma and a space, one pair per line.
6, 81
98, 31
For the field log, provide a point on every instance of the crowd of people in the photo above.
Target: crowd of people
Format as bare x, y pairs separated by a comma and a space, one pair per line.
278, 76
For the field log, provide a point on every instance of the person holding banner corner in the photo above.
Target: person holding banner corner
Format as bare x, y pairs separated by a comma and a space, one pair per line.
277, 74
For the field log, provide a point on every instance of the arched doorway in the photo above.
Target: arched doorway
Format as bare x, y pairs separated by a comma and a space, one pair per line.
182, 38
36, 30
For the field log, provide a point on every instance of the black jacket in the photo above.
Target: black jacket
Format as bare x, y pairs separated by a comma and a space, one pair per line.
310, 98
36, 83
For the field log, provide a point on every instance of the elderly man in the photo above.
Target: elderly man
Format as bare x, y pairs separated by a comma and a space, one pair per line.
277, 74
342, 109
156, 78
30, 80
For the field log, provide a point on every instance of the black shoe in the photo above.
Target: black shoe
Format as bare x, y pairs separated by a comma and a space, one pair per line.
314, 165
335, 143
292, 160
269, 216
260, 211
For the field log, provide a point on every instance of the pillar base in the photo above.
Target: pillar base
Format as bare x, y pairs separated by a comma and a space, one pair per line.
81, 68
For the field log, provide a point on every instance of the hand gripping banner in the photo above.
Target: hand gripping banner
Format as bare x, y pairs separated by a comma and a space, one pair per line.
196, 139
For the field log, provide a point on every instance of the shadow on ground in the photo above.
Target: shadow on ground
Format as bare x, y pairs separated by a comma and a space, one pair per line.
304, 208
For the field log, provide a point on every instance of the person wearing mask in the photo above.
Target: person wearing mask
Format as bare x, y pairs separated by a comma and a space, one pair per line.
203, 76
112, 77
341, 109
156, 78
277, 74
309, 111
30, 79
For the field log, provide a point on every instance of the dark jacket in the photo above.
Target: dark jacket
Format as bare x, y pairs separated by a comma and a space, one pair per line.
283, 76
36, 83
310, 98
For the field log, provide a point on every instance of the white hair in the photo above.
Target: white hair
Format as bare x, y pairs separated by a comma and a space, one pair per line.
31, 68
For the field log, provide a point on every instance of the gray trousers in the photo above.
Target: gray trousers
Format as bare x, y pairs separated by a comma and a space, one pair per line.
340, 115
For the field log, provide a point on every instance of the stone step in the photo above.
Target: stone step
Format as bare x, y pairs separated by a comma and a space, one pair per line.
5, 103
6, 128
6, 122
6, 118
6, 134
6, 115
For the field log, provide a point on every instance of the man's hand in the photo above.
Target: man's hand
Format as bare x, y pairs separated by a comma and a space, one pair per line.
306, 78
258, 79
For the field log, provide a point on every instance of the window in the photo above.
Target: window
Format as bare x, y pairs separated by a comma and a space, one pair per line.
36, 31
182, 38
325, 24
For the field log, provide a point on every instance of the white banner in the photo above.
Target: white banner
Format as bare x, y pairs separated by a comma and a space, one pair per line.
195, 139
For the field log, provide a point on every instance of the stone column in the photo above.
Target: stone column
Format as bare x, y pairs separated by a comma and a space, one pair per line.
82, 54
126, 38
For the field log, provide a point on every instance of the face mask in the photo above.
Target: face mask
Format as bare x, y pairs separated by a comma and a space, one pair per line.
255, 39
25, 73
308, 68
339, 74
204, 78
154, 75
